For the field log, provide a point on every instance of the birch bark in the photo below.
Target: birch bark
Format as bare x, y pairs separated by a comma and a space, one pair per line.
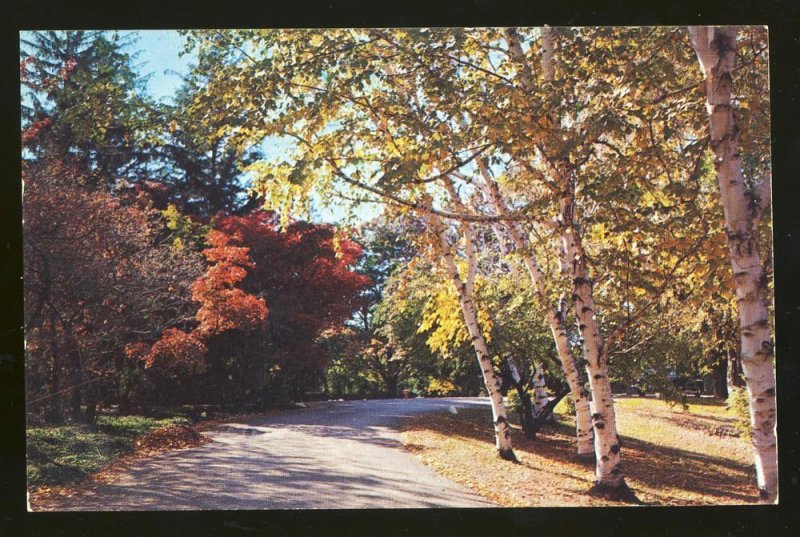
608, 470
539, 392
466, 296
555, 319
716, 51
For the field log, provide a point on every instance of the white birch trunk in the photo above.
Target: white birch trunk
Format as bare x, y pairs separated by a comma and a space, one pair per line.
512, 367
555, 320
539, 392
608, 468
465, 291
716, 51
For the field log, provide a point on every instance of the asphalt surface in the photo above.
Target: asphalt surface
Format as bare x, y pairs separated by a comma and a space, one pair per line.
331, 455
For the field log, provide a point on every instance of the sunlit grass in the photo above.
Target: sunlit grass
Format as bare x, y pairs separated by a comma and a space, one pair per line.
670, 456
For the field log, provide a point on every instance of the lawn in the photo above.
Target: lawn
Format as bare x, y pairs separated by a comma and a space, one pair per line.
65, 454
670, 456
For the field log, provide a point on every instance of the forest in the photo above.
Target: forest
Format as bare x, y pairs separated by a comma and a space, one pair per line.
546, 217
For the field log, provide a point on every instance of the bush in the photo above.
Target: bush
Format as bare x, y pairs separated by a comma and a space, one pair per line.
133, 426
565, 406
441, 387
739, 408
514, 402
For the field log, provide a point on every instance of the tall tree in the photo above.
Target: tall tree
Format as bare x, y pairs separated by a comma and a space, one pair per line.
85, 85
744, 203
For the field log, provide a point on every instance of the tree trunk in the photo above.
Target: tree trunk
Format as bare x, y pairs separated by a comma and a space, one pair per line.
716, 51
75, 378
526, 413
555, 320
610, 479
465, 291
547, 411
540, 399
734, 378
56, 413
719, 375
91, 410
608, 470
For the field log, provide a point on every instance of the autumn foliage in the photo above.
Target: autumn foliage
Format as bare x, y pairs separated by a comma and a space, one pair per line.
223, 306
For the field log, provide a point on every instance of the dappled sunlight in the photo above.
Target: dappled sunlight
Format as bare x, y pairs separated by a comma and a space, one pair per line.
338, 455
697, 473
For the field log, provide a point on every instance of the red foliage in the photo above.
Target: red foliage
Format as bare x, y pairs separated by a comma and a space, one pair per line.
177, 351
305, 274
223, 306
35, 130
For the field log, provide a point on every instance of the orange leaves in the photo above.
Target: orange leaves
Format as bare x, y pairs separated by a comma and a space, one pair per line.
177, 351
224, 306
222, 251
230, 309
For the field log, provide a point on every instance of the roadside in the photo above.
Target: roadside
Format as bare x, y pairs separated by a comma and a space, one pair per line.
671, 457
64, 458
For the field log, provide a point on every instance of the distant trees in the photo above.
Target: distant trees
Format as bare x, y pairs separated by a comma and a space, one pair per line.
98, 275
83, 86
143, 292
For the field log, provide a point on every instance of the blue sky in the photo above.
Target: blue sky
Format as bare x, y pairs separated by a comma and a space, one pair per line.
159, 57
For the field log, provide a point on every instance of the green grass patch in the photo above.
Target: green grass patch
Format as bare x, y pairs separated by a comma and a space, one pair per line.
69, 453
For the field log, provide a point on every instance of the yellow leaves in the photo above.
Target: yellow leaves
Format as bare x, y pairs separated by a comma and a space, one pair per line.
444, 319
279, 192
598, 232
315, 40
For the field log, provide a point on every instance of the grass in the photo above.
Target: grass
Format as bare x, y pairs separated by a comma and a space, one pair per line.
68, 453
670, 456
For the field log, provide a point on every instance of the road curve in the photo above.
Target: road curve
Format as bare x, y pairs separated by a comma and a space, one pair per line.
331, 455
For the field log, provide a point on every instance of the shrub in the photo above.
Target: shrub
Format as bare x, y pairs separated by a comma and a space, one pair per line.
565, 406
59, 455
513, 401
441, 387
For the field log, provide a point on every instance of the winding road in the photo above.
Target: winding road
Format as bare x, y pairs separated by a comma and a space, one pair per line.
331, 455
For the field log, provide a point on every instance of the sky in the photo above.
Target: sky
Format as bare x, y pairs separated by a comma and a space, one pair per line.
159, 58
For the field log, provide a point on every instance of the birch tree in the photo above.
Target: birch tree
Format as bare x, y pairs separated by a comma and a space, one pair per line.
466, 295
743, 206
594, 152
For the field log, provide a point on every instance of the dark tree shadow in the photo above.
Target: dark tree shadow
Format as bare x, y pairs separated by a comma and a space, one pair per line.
654, 466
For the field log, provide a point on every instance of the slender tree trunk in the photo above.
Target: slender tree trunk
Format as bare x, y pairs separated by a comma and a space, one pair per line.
608, 470
540, 399
734, 371
75, 380
555, 320
465, 291
716, 51
526, 408
719, 375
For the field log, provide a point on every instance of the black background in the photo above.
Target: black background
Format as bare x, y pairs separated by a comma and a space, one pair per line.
783, 19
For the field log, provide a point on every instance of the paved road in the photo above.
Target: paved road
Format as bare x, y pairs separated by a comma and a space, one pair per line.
337, 455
